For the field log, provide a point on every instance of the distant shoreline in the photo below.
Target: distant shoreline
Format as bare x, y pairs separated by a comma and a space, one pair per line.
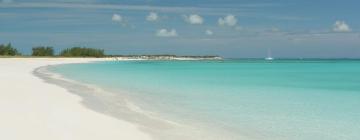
133, 57
173, 57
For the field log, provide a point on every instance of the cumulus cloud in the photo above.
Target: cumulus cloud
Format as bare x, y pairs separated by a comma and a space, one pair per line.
166, 33
209, 32
194, 19
229, 20
120, 19
117, 18
152, 16
341, 26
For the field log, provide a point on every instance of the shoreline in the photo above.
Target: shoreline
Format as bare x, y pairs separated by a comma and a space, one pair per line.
127, 57
122, 105
35, 109
119, 106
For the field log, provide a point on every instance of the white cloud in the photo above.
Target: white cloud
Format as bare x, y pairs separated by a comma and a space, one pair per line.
341, 26
152, 16
166, 33
209, 32
117, 18
7, 1
229, 20
120, 19
194, 19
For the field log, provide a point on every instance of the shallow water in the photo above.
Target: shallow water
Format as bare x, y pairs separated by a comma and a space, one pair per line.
233, 99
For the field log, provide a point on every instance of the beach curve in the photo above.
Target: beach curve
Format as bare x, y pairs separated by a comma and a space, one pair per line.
34, 109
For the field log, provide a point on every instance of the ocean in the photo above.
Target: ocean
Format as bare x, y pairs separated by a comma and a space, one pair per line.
227, 99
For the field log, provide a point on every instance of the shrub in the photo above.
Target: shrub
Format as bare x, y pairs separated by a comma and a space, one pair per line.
8, 50
82, 52
42, 51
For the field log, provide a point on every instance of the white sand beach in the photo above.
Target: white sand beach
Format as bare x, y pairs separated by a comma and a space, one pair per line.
32, 109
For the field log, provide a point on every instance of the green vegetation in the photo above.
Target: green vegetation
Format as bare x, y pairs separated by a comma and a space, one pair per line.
42, 51
82, 52
8, 50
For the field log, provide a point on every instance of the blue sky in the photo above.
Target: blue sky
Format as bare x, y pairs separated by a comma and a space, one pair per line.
230, 28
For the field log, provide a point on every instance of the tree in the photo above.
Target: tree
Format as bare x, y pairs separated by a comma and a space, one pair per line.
42, 51
8, 50
82, 52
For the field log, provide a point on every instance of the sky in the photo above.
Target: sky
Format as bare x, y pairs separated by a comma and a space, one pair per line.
229, 28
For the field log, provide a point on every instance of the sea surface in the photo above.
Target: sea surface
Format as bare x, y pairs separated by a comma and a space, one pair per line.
229, 99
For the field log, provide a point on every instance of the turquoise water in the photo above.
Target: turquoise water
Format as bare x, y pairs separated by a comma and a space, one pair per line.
249, 99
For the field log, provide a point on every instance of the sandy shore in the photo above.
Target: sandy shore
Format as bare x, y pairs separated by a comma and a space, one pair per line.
32, 109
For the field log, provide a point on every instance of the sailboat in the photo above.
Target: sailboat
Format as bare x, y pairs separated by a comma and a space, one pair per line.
269, 58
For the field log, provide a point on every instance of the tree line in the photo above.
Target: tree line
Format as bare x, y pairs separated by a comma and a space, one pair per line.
9, 50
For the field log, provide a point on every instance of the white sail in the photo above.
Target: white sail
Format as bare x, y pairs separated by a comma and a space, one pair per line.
269, 56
